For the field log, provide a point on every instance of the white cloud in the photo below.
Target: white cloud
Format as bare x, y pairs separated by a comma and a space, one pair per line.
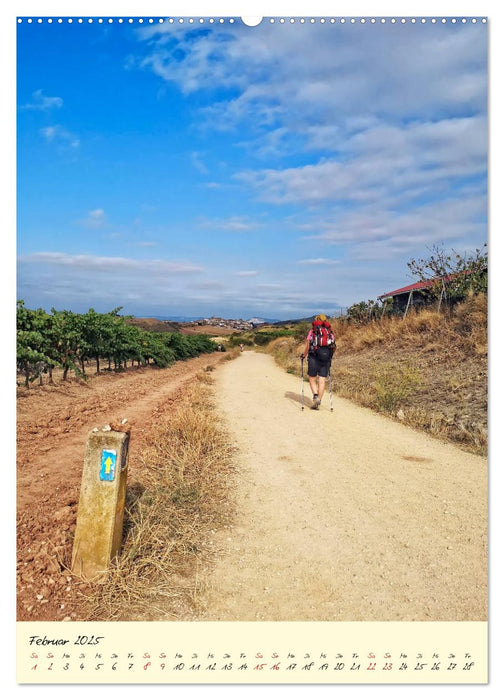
210, 285
408, 70
97, 215
199, 165
60, 135
109, 265
387, 126
319, 261
236, 224
374, 232
49, 132
383, 162
154, 286
78, 282
43, 102
96, 218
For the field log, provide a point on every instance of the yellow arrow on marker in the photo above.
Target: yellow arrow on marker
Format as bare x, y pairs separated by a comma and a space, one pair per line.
108, 464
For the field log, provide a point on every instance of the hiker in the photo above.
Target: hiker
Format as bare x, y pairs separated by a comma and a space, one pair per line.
241, 347
320, 347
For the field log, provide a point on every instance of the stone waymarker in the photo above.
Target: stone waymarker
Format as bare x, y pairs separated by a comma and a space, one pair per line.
101, 504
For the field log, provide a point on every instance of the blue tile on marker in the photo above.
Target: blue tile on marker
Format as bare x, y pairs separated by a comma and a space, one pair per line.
108, 465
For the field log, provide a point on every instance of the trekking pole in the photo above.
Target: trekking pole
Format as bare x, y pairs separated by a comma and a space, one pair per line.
330, 390
302, 384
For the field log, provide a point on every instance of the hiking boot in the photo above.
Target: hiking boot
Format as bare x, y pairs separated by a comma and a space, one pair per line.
316, 403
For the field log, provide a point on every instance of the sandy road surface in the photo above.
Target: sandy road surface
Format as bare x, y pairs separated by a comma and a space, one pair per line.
344, 515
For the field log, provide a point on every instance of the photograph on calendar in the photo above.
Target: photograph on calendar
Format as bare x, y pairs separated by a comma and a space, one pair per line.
251, 319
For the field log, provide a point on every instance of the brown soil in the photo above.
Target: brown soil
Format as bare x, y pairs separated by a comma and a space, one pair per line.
52, 426
188, 329
154, 325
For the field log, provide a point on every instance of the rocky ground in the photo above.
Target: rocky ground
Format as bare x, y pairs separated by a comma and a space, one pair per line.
52, 427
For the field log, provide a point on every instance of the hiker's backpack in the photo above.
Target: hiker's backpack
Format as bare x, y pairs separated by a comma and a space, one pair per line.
322, 342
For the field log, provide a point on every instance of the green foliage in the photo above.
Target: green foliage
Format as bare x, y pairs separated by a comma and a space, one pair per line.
453, 275
32, 342
393, 383
186, 346
68, 340
65, 340
261, 337
236, 338
363, 311
264, 337
301, 330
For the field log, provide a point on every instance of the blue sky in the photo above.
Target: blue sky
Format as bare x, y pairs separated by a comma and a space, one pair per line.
277, 171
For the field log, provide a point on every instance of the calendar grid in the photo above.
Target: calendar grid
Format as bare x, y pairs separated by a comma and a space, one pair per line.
154, 652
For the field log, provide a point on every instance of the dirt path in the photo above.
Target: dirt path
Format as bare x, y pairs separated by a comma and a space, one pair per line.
56, 419
344, 515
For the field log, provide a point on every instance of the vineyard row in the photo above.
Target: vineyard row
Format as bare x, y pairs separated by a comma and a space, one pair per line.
69, 340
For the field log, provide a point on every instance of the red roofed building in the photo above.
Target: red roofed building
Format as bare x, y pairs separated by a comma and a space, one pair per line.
414, 294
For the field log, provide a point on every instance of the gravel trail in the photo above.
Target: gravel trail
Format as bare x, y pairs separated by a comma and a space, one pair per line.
345, 515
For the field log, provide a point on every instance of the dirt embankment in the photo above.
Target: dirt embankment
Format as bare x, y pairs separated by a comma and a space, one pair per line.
219, 331
52, 426
154, 325
184, 327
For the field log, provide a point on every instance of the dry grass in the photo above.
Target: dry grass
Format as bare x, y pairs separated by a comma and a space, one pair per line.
393, 384
232, 353
183, 494
286, 352
465, 327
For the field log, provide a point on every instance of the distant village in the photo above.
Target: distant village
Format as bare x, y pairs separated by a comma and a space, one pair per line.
238, 324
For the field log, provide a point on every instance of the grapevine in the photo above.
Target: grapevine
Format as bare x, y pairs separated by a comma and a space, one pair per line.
71, 341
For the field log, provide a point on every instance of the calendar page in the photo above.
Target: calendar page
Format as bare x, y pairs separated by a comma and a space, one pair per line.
251, 347
253, 652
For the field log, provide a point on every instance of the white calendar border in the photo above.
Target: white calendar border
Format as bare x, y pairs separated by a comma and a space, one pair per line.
260, 8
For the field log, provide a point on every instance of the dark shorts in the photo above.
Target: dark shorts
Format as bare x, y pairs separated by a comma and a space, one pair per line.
319, 365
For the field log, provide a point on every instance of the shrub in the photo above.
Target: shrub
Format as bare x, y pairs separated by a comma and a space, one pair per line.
265, 337
393, 383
